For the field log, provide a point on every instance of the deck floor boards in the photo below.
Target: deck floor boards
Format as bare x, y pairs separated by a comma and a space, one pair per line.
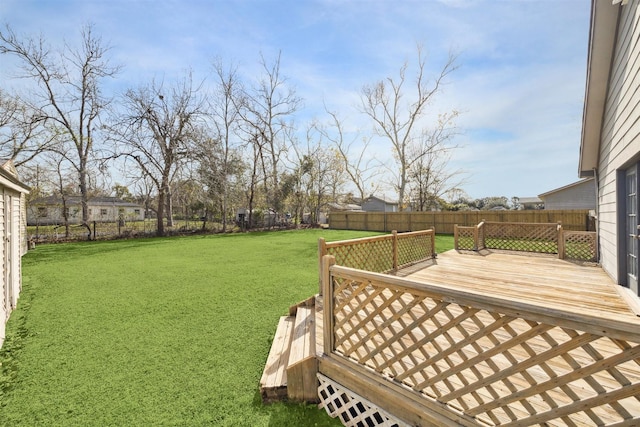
538, 280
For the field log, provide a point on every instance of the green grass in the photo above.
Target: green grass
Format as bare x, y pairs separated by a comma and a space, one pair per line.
156, 331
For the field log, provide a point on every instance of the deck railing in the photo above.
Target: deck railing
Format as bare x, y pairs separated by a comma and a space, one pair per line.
438, 355
381, 254
547, 238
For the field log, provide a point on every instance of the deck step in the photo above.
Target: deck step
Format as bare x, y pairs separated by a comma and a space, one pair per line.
302, 382
273, 384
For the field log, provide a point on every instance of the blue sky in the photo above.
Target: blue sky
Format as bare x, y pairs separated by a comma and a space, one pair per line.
520, 82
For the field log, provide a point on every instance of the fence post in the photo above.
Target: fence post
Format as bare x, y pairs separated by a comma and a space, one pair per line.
327, 304
394, 244
322, 251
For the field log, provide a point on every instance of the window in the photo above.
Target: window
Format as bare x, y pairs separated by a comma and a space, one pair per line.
136, 211
103, 212
72, 212
42, 212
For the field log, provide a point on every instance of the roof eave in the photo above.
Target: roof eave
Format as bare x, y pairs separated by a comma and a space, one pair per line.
602, 35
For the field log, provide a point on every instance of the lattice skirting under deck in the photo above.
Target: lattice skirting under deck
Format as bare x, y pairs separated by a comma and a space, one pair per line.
353, 410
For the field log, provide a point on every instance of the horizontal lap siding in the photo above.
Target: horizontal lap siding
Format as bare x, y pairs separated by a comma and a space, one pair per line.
621, 129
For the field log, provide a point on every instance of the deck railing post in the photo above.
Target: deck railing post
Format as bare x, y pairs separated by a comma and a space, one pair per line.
394, 244
455, 236
561, 249
476, 244
327, 315
322, 251
433, 243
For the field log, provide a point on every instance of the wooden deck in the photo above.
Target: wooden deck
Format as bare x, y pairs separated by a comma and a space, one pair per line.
542, 280
478, 364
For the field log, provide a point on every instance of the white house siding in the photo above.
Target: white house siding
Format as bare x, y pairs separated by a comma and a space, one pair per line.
23, 224
620, 143
5, 308
10, 252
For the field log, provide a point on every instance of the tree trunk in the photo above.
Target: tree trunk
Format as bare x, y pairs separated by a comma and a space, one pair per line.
160, 213
84, 197
169, 209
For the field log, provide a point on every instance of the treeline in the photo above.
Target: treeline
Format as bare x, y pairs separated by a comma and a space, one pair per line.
216, 145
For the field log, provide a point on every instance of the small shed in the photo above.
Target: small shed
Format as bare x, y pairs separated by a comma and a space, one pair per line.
578, 195
13, 229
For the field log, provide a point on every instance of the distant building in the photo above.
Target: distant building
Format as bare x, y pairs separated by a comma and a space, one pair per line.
49, 210
343, 207
377, 204
578, 195
530, 203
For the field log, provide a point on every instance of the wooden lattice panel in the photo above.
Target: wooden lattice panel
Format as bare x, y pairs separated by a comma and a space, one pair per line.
352, 409
374, 254
580, 245
414, 247
382, 254
465, 238
521, 237
500, 369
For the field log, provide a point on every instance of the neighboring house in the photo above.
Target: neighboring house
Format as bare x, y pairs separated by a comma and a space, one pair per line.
377, 204
610, 144
578, 195
49, 210
13, 230
530, 203
343, 207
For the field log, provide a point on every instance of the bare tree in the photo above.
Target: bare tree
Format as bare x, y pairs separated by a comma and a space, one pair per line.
398, 119
266, 113
224, 105
67, 94
430, 177
359, 169
157, 129
319, 170
23, 135
219, 170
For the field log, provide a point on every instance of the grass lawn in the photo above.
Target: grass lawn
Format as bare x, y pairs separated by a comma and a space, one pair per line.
157, 331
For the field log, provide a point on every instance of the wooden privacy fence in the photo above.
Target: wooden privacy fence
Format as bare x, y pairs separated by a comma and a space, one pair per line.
382, 254
444, 356
444, 222
541, 238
